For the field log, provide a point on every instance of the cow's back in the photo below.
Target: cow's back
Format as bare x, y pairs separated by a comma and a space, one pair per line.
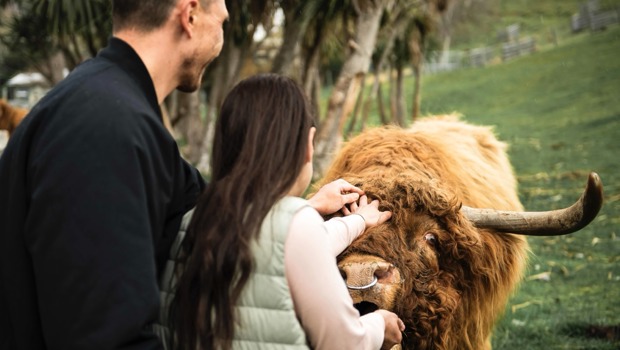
467, 158
472, 160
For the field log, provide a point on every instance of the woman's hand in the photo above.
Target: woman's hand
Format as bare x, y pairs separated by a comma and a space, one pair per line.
334, 196
394, 327
369, 211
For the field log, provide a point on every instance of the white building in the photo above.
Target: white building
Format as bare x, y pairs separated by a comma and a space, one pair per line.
26, 89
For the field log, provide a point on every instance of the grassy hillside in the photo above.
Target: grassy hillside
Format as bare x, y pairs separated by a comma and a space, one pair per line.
560, 112
545, 20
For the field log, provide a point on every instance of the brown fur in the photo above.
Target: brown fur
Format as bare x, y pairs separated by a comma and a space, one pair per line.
10, 116
452, 292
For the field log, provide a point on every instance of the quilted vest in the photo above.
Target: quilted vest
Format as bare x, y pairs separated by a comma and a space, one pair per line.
265, 310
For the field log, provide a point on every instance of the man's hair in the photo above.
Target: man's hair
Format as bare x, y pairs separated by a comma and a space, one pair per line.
140, 14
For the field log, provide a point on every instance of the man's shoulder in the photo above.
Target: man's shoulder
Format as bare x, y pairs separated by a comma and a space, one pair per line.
96, 79
93, 88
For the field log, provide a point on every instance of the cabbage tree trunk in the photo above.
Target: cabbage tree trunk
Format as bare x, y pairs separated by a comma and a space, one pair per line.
297, 16
393, 28
416, 46
225, 75
398, 100
348, 84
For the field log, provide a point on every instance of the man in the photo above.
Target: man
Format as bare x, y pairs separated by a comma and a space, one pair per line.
93, 188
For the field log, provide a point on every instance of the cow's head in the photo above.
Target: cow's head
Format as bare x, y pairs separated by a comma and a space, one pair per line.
446, 270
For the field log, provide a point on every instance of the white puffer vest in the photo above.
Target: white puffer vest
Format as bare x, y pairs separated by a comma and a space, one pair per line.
266, 314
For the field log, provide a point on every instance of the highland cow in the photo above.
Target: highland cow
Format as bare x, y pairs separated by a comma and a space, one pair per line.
10, 116
444, 266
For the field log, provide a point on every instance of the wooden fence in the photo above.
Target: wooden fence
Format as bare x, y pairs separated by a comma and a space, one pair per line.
480, 56
590, 16
443, 62
523, 47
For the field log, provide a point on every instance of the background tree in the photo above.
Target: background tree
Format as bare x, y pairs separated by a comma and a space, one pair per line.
322, 47
40, 30
347, 86
416, 41
356, 64
320, 42
27, 47
394, 23
297, 17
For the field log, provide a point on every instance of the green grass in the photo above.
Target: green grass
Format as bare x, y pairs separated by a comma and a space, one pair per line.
543, 20
559, 110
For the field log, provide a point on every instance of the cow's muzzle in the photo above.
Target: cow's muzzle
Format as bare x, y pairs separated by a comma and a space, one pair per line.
372, 282
361, 275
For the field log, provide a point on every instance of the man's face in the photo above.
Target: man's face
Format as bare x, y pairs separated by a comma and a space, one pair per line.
209, 35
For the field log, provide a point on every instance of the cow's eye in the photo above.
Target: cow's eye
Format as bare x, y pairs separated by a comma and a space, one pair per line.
431, 239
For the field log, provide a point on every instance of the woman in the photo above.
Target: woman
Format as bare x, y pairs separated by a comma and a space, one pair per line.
259, 262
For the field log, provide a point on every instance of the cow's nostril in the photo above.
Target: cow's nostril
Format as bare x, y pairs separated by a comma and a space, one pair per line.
384, 272
387, 274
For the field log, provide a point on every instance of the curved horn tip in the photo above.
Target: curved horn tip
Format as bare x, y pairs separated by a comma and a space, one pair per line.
594, 181
594, 190
593, 196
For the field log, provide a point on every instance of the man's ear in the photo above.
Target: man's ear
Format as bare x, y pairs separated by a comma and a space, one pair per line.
189, 8
310, 149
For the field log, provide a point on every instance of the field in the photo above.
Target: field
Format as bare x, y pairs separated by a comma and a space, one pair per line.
559, 110
547, 21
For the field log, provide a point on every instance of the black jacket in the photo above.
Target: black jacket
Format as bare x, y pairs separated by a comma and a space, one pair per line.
92, 191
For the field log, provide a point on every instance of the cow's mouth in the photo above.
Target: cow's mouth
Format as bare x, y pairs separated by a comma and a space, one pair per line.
365, 307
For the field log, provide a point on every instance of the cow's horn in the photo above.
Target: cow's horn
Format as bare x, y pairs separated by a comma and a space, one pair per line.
546, 223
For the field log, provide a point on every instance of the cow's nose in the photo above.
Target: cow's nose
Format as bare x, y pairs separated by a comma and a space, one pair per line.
361, 275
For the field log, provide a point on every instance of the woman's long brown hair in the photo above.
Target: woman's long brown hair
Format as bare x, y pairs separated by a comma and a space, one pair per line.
260, 145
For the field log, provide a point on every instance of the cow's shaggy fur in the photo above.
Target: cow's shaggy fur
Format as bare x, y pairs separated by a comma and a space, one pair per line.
453, 289
10, 116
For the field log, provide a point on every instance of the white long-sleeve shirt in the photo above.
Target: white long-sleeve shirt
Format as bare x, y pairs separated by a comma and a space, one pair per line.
319, 293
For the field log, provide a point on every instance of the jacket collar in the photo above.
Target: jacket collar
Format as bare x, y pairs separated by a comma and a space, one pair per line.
122, 54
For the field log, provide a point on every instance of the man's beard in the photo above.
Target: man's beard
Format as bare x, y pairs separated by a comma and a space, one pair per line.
189, 83
191, 77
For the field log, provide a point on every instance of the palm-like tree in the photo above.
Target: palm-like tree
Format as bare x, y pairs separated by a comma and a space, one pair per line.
323, 42
314, 32
298, 15
79, 28
81, 25
41, 29
348, 84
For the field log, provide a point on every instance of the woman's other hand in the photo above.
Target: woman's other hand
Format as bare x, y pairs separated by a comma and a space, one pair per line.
369, 211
